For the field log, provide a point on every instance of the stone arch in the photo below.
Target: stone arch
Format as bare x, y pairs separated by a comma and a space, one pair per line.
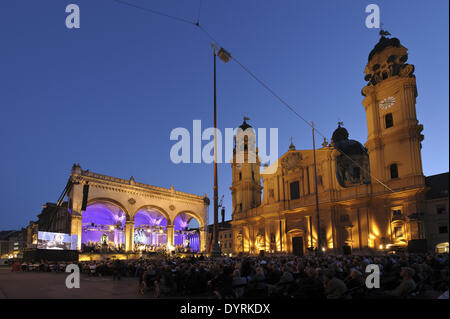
296, 232
156, 208
111, 201
152, 229
296, 229
103, 225
197, 240
200, 220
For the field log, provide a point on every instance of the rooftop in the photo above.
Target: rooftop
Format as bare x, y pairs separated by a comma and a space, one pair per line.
438, 185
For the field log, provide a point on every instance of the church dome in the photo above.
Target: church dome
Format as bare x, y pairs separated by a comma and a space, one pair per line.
342, 143
383, 44
339, 134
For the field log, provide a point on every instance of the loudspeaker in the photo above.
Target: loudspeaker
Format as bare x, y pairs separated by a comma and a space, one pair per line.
85, 197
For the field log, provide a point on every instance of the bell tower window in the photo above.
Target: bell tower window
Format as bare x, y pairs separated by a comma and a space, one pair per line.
389, 120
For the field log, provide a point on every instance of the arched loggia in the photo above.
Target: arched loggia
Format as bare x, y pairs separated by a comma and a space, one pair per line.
103, 226
187, 232
150, 229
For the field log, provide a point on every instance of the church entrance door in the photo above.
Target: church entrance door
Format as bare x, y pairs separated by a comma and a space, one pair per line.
297, 246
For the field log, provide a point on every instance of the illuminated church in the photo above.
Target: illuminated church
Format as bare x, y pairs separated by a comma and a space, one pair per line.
370, 196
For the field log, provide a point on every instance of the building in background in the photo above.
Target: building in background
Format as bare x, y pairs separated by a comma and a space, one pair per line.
12, 243
225, 234
371, 196
436, 215
54, 219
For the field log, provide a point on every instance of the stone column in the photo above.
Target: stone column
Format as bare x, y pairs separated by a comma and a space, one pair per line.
246, 238
170, 236
75, 227
355, 233
129, 235
202, 239
283, 236
267, 235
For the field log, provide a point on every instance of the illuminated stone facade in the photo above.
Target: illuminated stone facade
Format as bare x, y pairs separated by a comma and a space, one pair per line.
128, 198
436, 219
370, 197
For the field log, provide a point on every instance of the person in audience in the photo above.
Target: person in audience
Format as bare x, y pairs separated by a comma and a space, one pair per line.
407, 284
335, 288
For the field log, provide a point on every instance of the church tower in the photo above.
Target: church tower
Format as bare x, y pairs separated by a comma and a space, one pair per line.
246, 185
394, 134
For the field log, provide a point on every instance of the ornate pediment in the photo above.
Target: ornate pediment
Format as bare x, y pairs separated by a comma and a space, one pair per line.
291, 161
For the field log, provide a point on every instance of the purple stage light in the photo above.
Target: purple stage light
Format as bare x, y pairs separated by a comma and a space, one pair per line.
108, 220
184, 238
150, 228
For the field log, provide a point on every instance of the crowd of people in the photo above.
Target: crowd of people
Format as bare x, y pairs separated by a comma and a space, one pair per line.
314, 276
183, 249
308, 277
138, 247
43, 266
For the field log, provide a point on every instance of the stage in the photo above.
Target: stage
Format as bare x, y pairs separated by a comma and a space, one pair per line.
132, 256
30, 255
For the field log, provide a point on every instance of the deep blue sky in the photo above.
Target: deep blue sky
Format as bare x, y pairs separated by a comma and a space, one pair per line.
108, 95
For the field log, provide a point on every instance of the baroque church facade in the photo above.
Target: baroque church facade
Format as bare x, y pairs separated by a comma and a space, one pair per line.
370, 196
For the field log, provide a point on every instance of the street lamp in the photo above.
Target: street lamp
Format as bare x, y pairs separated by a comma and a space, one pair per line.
225, 57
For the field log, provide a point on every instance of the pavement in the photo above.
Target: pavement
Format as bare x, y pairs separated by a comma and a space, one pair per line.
37, 285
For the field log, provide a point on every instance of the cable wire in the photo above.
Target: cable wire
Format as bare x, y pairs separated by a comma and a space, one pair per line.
262, 83
154, 11
303, 119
